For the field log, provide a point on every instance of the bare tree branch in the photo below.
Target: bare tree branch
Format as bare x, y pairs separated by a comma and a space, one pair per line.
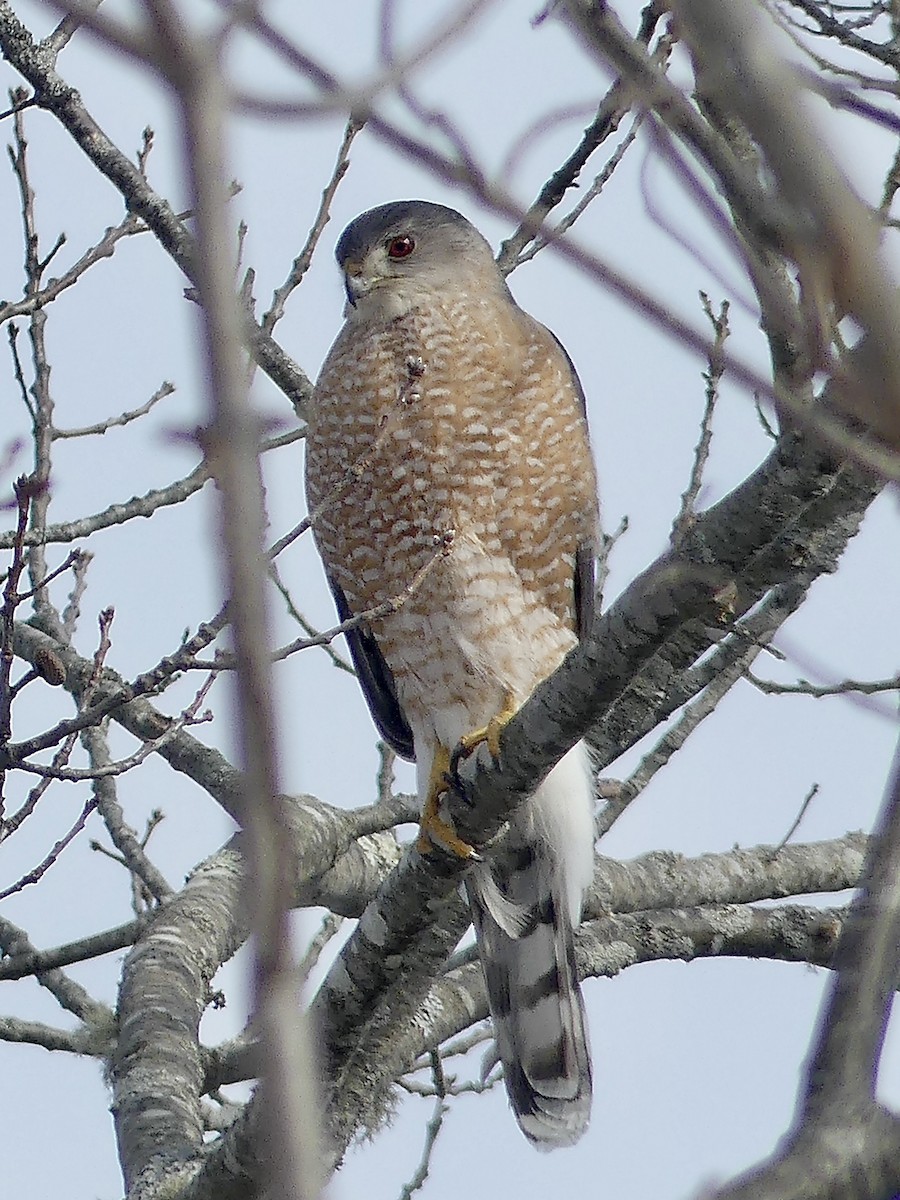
37, 64
401, 997
98, 1020
37, 962
844, 1143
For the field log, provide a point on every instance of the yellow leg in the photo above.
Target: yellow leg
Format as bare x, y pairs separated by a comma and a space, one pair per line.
489, 733
433, 829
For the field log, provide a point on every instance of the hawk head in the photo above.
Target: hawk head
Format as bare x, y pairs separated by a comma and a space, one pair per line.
391, 256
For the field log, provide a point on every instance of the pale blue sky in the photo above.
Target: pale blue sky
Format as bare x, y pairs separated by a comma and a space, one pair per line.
695, 1066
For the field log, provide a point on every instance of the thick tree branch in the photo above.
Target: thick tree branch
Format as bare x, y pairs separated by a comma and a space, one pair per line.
157, 1069
787, 523
390, 942
664, 880
791, 502
35, 1033
608, 945
650, 887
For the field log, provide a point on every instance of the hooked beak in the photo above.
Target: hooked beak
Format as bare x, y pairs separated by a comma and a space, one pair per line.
353, 289
355, 283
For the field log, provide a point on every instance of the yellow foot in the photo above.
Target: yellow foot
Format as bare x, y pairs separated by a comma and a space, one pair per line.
433, 829
489, 733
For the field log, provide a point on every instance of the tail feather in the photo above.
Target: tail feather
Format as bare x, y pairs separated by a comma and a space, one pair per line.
524, 906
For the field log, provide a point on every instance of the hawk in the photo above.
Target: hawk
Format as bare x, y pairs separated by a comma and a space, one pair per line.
454, 504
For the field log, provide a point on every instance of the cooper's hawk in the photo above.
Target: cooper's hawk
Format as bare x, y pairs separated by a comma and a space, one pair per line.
449, 472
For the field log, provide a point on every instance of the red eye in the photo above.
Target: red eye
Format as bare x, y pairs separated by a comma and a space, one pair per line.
401, 247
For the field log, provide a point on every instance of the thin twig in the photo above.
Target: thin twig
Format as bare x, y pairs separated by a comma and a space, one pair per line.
432, 1129
125, 418
607, 543
742, 653
329, 929
149, 883
539, 241
443, 544
712, 377
384, 781
311, 632
37, 873
72, 611
70, 995
612, 108
185, 719
807, 800
803, 687
45, 295
302, 262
